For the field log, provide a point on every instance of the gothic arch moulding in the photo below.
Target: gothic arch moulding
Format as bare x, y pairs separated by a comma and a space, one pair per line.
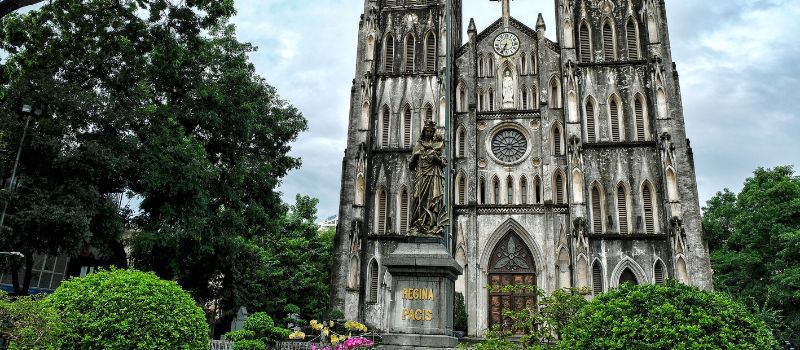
524, 236
628, 263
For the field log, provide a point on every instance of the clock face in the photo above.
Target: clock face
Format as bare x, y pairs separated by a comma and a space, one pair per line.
506, 44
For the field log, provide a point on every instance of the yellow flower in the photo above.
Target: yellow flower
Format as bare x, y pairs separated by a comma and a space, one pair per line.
325, 331
331, 324
297, 335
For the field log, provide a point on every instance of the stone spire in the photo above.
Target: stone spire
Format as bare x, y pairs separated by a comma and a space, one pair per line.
472, 31
540, 26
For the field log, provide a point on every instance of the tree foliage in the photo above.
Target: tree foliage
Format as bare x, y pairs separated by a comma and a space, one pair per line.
754, 239
671, 316
127, 309
27, 323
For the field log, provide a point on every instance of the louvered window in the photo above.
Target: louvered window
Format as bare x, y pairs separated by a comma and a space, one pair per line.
430, 53
385, 127
407, 127
510, 190
647, 201
622, 209
404, 212
524, 98
480, 101
639, 111
597, 212
555, 94
428, 112
462, 142
559, 189
388, 57
557, 141
597, 279
591, 135
463, 94
537, 188
491, 100
523, 188
633, 41
658, 273
382, 211
462, 190
373, 282
410, 54
496, 191
585, 44
608, 42
614, 115
482, 194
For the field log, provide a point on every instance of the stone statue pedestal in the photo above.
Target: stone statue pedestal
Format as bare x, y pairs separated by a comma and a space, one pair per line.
420, 315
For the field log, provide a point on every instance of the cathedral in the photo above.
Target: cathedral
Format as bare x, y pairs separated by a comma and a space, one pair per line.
567, 161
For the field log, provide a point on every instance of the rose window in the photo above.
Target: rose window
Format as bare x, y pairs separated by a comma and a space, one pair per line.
509, 145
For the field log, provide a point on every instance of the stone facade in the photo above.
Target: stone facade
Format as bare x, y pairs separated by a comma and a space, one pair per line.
569, 164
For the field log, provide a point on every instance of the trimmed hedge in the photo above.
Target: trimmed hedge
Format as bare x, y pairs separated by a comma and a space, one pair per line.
128, 309
671, 316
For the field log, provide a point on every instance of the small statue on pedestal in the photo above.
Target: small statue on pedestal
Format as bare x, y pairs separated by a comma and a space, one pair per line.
427, 163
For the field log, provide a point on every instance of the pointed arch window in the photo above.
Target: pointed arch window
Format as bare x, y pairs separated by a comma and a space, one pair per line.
373, 282
638, 110
613, 114
428, 112
480, 66
462, 98
430, 53
496, 188
597, 209
633, 39
537, 190
490, 66
627, 276
558, 189
482, 191
649, 210
591, 130
523, 63
360, 187
480, 100
380, 211
510, 190
597, 279
585, 48
555, 93
622, 209
524, 97
407, 126
608, 42
523, 190
462, 189
658, 273
385, 126
410, 52
388, 54
462, 142
558, 148
403, 211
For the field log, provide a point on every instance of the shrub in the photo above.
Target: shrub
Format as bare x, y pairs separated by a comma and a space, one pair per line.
29, 324
671, 316
249, 344
460, 313
128, 309
259, 331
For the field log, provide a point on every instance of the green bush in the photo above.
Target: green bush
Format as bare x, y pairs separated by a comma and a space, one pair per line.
460, 313
671, 316
240, 335
259, 330
249, 345
29, 324
128, 309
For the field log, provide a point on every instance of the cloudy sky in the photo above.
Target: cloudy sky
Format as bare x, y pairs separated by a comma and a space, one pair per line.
735, 59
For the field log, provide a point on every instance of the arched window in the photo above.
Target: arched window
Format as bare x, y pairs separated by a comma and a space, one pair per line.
480, 100
614, 116
558, 148
555, 93
572, 107
597, 209
360, 187
558, 189
608, 42
537, 190
480, 66
364, 116
585, 42
388, 54
430, 52
373, 282
591, 128
622, 209
410, 51
490, 66
523, 190
672, 186
491, 100
524, 97
577, 186
380, 210
534, 63
403, 211
462, 142
649, 210
597, 278
385, 126
482, 191
496, 188
533, 99
638, 111
462, 189
407, 126
627, 276
510, 190
428, 112
658, 273
633, 39
523, 63
462, 98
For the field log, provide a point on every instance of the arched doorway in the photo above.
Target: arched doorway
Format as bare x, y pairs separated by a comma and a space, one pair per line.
511, 264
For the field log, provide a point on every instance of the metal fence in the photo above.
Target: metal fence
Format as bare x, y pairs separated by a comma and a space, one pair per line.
220, 345
291, 345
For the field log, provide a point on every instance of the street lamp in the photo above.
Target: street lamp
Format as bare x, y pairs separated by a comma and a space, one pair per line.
29, 111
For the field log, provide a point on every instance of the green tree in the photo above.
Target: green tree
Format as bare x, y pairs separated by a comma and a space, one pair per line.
754, 239
671, 316
27, 323
128, 309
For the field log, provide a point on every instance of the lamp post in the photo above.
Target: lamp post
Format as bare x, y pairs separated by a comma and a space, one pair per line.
29, 111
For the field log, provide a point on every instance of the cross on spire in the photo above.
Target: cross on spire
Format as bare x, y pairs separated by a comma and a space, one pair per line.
506, 11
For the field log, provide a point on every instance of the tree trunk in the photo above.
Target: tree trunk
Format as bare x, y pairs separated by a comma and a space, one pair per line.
26, 284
